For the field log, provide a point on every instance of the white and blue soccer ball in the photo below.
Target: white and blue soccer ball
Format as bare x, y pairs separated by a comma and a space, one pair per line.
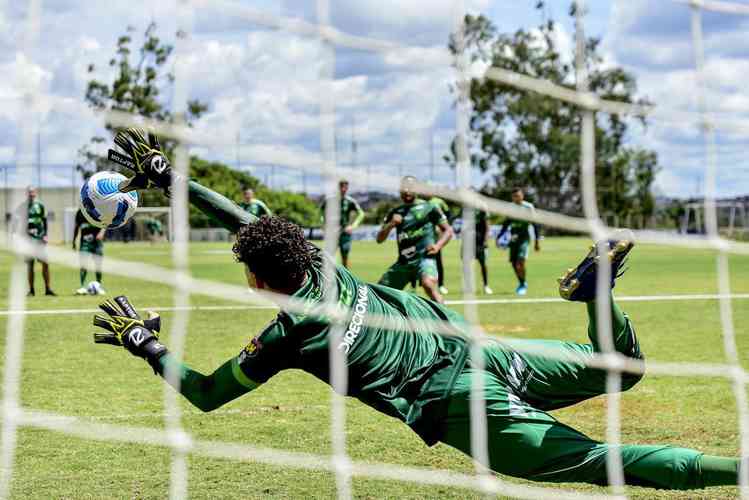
94, 288
102, 203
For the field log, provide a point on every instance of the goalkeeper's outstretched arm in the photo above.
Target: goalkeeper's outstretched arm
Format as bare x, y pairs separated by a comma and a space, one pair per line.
143, 155
206, 392
218, 208
124, 327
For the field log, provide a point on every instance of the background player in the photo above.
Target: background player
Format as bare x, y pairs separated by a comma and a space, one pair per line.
482, 250
348, 206
520, 238
415, 221
34, 215
417, 376
91, 247
254, 206
442, 205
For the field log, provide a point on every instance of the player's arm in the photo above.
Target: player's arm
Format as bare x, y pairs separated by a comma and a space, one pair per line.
100, 235
446, 234
266, 210
44, 223
207, 392
218, 208
438, 218
152, 169
391, 221
359, 216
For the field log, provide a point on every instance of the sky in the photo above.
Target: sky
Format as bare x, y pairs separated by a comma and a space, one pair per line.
394, 111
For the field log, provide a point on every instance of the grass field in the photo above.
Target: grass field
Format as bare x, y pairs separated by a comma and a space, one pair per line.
64, 372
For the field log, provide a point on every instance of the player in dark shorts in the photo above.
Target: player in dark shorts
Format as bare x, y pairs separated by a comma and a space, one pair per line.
481, 229
403, 369
415, 221
91, 247
349, 206
34, 215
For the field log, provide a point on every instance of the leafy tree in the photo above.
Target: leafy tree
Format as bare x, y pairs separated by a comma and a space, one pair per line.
530, 140
140, 78
231, 183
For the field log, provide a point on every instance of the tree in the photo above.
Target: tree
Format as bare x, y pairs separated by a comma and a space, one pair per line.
231, 183
140, 80
530, 140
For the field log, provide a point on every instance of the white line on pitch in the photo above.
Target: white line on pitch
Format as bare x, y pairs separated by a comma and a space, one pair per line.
540, 300
44, 312
630, 298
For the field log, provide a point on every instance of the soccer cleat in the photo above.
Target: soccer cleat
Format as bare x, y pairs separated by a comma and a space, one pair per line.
443, 290
50, 293
487, 290
81, 291
579, 283
101, 291
522, 289
31, 293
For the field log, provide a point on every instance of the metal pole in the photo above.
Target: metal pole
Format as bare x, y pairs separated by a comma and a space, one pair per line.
431, 155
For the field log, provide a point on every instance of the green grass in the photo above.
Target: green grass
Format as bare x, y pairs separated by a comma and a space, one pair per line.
64, 372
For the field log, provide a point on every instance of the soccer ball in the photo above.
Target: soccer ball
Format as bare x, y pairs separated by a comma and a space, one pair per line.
102, 203
94, 288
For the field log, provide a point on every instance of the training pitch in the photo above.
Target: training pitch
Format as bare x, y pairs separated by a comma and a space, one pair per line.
65, 373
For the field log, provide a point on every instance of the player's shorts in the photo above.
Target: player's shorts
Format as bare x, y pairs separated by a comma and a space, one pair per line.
401, 274
519, 250
96, 249
43, 251
344, 243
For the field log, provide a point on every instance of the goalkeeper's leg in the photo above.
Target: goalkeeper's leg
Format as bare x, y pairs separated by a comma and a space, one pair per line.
528, 443
554, 374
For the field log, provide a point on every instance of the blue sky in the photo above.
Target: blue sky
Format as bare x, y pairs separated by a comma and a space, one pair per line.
261, 84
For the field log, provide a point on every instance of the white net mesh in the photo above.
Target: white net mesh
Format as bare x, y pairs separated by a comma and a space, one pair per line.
181, 443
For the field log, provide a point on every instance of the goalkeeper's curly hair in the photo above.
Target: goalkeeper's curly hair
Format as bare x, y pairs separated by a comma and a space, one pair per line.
276, 251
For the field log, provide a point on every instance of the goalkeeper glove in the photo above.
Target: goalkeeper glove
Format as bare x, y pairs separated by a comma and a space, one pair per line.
126, 328
144, 157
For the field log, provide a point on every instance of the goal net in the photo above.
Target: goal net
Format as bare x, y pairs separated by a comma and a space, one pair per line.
149, 224
174, 434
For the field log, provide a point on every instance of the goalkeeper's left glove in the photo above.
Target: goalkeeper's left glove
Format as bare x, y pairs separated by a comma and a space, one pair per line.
143, 156
139, 336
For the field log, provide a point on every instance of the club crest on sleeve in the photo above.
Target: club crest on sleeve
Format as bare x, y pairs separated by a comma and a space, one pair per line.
252, 348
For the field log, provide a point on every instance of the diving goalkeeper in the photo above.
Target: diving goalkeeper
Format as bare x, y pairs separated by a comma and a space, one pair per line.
422, 379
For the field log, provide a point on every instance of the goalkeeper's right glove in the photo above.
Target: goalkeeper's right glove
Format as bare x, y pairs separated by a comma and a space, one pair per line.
144, 157
139, 336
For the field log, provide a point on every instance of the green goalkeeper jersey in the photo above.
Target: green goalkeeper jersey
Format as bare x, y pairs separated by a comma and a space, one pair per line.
416, 232
401, 369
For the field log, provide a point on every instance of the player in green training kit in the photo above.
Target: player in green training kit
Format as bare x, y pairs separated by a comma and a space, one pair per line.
520, 238
348, 206
91, 248
34, 215
254, 206
415, 222
419, 377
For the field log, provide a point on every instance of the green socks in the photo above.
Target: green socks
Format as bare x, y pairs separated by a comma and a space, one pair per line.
719, 471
